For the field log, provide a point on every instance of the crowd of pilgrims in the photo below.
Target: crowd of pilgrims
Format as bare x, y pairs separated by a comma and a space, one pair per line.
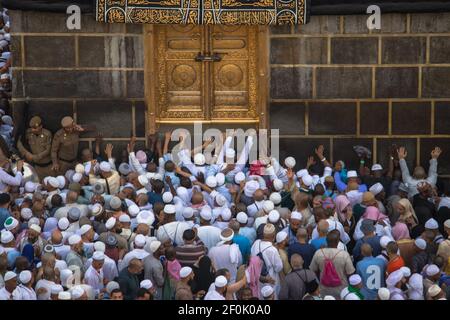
163, 226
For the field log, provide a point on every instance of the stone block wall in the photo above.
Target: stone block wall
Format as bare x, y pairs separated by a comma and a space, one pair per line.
95, 74
334, 81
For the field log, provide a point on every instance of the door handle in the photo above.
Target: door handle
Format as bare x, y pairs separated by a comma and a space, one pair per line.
214, 57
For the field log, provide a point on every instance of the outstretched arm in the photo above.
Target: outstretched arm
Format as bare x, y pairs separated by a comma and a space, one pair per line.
432, 171
402, 153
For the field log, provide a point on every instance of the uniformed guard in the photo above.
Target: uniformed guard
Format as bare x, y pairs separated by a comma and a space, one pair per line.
65, 146
39, 141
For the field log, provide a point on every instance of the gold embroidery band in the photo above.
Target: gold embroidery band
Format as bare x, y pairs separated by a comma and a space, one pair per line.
227, 12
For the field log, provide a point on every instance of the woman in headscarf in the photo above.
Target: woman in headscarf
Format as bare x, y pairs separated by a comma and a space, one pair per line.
301, 200
203, 275
381, 221
407, 214
400, 231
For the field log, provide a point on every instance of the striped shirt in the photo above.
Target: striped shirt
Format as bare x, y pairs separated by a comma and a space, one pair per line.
188, 254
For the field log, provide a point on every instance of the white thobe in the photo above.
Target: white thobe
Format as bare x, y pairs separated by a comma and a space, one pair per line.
214, 295
172, 231
94, 278
209, 235
23, 293
226, 256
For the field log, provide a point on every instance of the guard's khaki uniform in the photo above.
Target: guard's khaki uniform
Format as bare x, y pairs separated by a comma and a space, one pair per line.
40, 147
65, 150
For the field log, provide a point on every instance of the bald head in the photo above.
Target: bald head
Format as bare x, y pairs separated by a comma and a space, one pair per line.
197, 198
72, 197
322, 227
296, 261
258, 195
143, 229
57, 236
234, 225
366, 250
302, 234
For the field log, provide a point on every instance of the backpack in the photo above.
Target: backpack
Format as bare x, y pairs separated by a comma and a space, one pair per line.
264, 269
330, 277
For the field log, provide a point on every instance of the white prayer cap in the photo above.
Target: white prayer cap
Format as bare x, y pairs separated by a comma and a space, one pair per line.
124, 218
327, 171
133, 210
110, 223
9, 275
394, 278
74, 239
77, 292
377, 167
188, 212
74, 213
307, 180
143, 180
11, 223
77, 177
406, 271
269, 229
225, 213
65, 275
230, 153
352, 296
6, 237
289, 162
61, 182
25, 276
96, 209
250, 187
268, 206
275, 197
63, 224
242, 217
185, 271
420, 243
139, 240
79, 168
26, 213
220, 200
432, 270
112, 285
64, 295
167, 197
60, 265
229, 238
220, 282
416, 281
274, 216
205, 213
154, 245
84, 229
352, 174
98, 256
199, 159
220, 177
278, 184
384, 240
30, 186
376, 188
431, 224
354, 279
240, 176
56, 289
145, 217
301, 173
329, 298
52, 181
434, 290
169, 209
146, 284
211, 181
6, 119
105, 166
33, 220
384, 294
281, 236
157, 176
266, 291
295, 215
115, 203
99, 246
36, 228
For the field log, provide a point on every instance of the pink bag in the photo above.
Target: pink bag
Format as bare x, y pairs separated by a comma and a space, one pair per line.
330, 277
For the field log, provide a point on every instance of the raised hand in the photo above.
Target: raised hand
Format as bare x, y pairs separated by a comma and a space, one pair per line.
402, 153
310, 161
108, 150
436, 152
319, 151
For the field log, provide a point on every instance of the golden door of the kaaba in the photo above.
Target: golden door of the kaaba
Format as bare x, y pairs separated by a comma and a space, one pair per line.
214, 74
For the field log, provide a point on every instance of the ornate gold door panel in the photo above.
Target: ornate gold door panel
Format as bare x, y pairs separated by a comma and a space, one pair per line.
213, 74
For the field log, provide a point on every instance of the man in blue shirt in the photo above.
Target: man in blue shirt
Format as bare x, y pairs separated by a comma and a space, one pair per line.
302, 247
370, 237
321, 241
4, 211
372, 272
244, 244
